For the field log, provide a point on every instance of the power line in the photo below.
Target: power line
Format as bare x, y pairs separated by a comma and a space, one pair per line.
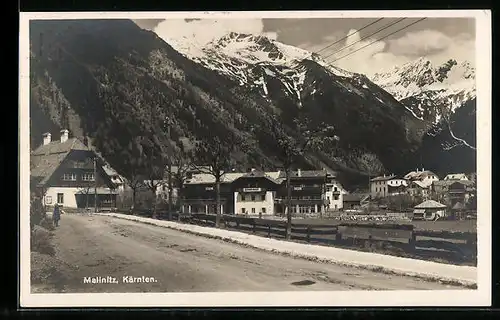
374, 33
350, 34
390, 34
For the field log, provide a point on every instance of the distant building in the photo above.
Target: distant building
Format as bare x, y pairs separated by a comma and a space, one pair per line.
387, 185
420, 182
456, 176
63, 170
453, 191
334, 193
355, 200
429, 210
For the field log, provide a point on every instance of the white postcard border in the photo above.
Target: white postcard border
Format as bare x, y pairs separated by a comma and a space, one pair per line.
479, 297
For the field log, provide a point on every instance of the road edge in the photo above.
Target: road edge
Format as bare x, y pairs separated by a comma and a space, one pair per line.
469, 284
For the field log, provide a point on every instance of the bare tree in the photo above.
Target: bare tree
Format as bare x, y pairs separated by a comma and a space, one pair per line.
216, 152
183, 160
310, 137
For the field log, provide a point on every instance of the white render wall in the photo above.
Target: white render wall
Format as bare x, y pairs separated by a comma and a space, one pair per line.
267, 203
69, 196
329, 195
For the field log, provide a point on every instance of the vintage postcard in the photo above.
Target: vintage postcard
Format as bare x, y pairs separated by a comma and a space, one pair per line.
255, 159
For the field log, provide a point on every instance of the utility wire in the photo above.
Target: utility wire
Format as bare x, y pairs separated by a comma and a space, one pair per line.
390, 34
374, 33
350, 34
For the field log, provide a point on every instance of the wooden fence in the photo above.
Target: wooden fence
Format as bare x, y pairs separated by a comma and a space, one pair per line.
385, 236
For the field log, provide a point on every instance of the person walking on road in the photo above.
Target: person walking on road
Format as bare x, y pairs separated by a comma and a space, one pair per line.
56, 215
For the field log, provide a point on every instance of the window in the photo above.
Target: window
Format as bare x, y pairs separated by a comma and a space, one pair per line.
263, 210
335, 189
253, 197
328, 198
60, 198
253, 210
328, 189
69, 177
335, 197
88, 177
242, 210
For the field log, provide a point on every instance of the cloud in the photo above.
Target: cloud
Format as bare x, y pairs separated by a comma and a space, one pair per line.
370, 56
202, 31
423, 42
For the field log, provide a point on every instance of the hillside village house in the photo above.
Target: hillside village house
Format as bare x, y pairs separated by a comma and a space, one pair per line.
453, 191
199, 195
308, 192
69, 173
258, 193
334, 193
355, 200
387, 185
420, 182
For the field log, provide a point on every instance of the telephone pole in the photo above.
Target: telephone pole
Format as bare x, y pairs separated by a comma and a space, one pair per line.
95, 184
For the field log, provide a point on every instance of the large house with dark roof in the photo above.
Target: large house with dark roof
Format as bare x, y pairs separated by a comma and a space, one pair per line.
69, 173
258, 193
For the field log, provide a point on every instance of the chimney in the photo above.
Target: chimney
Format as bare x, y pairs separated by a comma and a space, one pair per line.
298, 173
46, 138
64, 135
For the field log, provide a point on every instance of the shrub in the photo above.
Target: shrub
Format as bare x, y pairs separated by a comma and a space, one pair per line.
47, 223
41, 241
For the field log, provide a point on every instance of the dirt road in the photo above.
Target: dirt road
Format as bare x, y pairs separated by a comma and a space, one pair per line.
116, 250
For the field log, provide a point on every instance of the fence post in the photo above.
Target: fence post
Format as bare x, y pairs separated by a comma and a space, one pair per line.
413, 242
308, 235
269, 230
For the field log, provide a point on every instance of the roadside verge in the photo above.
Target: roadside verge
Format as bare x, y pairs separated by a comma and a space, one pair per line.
433, 271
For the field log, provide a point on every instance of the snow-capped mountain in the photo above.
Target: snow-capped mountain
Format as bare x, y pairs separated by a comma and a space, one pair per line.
250, 59
290, 78
428, 90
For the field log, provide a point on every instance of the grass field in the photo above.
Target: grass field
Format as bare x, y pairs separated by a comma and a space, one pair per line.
452, 226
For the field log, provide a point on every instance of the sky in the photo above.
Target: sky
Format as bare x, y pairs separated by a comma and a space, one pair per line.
363, 51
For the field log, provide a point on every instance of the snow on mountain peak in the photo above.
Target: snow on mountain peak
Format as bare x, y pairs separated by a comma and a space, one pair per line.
421, 75
422, 87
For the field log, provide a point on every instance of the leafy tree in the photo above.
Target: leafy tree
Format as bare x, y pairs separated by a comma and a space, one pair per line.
310, 137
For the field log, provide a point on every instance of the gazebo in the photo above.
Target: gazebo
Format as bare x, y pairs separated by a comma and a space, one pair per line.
429, 210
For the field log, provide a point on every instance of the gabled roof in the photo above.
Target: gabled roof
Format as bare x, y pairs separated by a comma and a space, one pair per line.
383, 178
459, 206
260, 174
456, 176
448, 183
206, 178
419, 175
304, 174
430, 204
46, 159
423, 184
